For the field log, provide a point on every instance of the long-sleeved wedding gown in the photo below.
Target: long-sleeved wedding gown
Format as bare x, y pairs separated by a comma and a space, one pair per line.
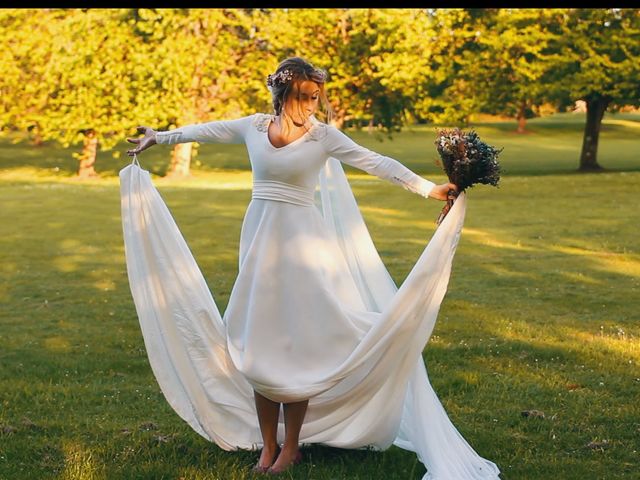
313, 314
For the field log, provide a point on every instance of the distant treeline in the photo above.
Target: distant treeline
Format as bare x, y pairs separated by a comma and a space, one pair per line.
93, 75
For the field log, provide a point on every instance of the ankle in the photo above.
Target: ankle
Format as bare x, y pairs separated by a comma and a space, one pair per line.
270, 447
290, 448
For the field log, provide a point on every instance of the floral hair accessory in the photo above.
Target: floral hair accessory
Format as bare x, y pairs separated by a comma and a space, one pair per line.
279, 78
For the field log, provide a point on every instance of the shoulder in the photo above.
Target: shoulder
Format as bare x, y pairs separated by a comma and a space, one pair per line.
261, 121
333, 137
322, 131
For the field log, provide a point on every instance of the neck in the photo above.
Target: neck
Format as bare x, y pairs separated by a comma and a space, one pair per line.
284, 120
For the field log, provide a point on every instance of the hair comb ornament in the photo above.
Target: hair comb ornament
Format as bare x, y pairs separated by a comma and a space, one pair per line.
279, 78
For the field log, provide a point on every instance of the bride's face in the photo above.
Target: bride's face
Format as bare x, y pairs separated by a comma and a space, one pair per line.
303, 101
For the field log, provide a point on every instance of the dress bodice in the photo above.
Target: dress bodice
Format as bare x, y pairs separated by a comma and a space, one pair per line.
297, 163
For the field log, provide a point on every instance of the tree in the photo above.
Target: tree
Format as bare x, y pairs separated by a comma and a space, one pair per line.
204, 65
24, 61
379, 60
73, 77
507, 59
600, 64
92, 75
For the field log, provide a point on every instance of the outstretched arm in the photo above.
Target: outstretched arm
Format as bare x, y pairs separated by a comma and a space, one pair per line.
218, 131
340, 146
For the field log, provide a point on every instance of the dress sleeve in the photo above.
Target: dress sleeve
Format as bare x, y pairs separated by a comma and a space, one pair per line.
218, 131
340, 146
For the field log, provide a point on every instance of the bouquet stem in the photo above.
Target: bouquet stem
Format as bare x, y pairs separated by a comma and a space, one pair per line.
451, 198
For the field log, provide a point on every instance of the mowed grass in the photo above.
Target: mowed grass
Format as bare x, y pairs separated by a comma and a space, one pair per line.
541, 312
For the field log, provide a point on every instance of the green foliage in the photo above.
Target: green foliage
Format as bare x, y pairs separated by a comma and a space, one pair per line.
203, 64
598, 56
446, 98
71, 71
506, 59
78, 80
24, 62
380, 70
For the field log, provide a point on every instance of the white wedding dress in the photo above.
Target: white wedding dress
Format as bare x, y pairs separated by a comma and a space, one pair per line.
313, 313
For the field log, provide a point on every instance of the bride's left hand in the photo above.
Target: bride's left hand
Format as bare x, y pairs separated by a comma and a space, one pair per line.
440, 192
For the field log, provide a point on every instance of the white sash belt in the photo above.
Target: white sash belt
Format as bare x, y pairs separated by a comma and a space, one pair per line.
282, 192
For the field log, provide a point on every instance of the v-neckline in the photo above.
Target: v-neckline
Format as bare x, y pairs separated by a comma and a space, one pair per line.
271, 120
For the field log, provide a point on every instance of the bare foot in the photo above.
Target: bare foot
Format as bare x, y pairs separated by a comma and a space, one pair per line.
286, 458
267, 456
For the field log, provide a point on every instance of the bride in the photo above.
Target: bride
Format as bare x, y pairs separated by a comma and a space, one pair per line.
314, 322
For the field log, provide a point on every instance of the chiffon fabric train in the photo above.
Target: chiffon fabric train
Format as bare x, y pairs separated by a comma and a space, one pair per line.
313, 312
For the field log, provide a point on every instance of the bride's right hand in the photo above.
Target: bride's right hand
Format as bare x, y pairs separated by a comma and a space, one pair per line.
441, 192
143, 143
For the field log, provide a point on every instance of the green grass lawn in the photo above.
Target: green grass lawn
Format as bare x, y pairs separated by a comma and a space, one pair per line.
542, 310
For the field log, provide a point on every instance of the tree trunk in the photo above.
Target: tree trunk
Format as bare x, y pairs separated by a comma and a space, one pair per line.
370, 127
596, 107
180, 160
88, 156
343, 27
36, 137
522, 119
338, 117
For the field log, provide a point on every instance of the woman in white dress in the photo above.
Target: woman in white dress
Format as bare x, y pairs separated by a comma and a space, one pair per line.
298, 328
